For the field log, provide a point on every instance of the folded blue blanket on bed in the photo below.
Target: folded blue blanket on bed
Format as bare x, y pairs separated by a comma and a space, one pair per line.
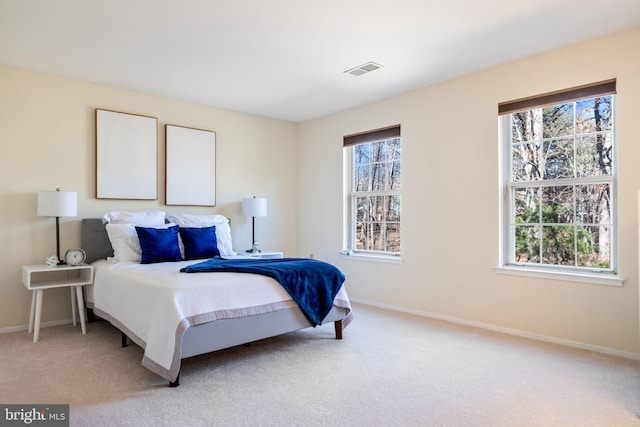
312, 284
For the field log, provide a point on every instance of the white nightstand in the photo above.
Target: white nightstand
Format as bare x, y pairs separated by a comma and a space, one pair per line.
39, 277
266, 255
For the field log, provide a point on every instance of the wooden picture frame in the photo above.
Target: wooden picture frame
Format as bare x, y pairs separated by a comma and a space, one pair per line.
190, 169
126, 156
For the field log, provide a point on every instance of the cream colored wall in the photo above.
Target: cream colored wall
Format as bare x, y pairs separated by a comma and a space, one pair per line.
450, 200
47, 136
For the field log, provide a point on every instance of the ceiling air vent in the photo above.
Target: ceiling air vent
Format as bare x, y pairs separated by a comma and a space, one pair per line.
363, 69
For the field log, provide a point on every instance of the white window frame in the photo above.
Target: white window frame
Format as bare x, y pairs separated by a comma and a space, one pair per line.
507, 264
351, 195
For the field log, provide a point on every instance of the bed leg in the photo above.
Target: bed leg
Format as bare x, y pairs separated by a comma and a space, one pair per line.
338, 326
175, 383
91, 316
124, 340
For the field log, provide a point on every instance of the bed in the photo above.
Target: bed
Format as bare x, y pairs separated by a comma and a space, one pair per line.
173, 315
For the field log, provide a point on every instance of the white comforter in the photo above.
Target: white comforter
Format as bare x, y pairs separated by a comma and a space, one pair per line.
155, 303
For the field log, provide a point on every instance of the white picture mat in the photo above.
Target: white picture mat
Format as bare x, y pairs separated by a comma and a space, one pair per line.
126, 156
190, 166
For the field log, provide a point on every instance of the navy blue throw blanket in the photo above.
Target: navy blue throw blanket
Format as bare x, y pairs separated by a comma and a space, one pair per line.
312, 284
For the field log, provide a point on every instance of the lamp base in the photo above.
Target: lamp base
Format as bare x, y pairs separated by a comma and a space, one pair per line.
255, 249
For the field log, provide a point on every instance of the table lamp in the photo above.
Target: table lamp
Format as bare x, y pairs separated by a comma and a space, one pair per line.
254, 207
57, 203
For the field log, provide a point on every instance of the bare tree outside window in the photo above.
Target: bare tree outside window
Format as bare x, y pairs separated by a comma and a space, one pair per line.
561, 184
375, 196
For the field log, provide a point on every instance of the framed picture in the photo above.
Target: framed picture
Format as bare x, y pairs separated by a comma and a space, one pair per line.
126, 156
190, 166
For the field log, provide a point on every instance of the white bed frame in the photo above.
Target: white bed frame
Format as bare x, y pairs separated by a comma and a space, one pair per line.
219, 334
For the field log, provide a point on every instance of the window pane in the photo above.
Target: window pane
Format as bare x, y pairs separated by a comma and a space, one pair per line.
376, 204
362, 209
595, 155
362, 153
526, 125
557, 205
527, 243
396, 176
594, 115
525, 162
386, 150
379, 173
594, 246
378, 208
398, 149
558, 158
363, 242
527, 205
370, 236
593, 204
362, 178
393, 237
393, 203
558, 120
557, 245
384, 159
378, 223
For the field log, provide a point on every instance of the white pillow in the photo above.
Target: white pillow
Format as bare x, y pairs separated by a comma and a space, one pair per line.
196, 220
125, 242
143, 218
223, 230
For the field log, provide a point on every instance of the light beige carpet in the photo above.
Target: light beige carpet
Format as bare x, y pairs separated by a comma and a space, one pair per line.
391, 369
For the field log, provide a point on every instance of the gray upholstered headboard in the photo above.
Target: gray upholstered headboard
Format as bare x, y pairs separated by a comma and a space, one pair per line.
94, 239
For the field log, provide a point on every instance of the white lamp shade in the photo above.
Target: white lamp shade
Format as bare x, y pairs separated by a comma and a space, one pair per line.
254, 207
57, 203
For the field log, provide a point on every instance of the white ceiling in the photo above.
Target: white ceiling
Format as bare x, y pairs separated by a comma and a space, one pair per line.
286, 59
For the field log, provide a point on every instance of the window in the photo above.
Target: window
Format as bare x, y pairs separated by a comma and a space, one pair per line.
559, 181
373, 188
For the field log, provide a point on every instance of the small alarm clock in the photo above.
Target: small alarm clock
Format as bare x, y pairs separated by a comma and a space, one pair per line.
75, 256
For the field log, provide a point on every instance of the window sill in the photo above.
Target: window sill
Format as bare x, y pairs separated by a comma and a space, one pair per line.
370, 257
595, 279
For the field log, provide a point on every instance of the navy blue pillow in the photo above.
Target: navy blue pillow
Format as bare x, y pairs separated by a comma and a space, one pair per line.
199, 242
159, 244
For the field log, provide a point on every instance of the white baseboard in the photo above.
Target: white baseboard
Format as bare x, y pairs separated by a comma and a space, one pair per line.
516, 332
42, 325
